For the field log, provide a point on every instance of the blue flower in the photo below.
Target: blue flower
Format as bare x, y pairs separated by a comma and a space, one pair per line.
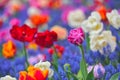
108, 75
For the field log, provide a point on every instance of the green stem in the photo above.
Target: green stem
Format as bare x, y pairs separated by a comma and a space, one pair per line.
26, 56
88, 42
83, 64
82, 51
55, 61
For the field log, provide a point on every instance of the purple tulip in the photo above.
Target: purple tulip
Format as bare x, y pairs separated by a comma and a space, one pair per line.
98, 71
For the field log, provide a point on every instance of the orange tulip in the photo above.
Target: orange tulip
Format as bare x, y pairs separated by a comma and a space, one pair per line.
33, 74
39, 19
9, 49
102, 10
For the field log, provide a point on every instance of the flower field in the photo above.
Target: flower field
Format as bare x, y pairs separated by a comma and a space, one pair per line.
59, 40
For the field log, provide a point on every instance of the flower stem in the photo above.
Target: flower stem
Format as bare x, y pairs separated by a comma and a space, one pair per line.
83, 66
82, 51
55, 62
87, 42
26, 56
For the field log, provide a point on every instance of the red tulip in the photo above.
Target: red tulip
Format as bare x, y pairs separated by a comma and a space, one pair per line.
23, 33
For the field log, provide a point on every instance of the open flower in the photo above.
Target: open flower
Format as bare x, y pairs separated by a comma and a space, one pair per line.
76, 36
9, 49
45, 65
7, 77
33, 74
98, 42
75, 18
23, 33
93, 25
98, 71
114, 18
46, 38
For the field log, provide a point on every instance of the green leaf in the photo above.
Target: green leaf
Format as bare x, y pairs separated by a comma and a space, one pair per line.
83, 68
50, 78
115, 76
90, 76
79, 75
55, 66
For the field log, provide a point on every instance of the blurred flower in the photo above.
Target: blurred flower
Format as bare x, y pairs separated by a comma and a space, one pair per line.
65, 13
33, 74
76, 36
1, 22
37, 58
98, 71
40, 3
46, 38
32, 45
7, 77
14, 21
110, 70
45, 66
55, 4
93, 25
33, 11
114, 18
59, 49
13, 6
23, 33
4, 35
9, 49
32, 60
89, 69
61, 32
39, 19
75, 18
102, 11
98, 42
3, 3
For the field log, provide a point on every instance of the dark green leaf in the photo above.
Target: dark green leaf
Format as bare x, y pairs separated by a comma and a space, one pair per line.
115, 76
90, 76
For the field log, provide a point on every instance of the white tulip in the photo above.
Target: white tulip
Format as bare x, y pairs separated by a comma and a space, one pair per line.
45, 66
96, 15
8, 77
114, 18
92, 25
75, 18
33, 11
99, 41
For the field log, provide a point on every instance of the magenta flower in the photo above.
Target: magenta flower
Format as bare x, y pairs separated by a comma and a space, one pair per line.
76, 36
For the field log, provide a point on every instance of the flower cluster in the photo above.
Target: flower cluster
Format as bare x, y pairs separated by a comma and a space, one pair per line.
36, 37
